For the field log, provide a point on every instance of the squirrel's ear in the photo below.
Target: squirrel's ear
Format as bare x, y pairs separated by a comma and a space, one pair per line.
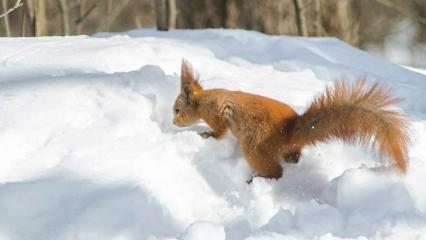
190, 87
188, 76
189, 93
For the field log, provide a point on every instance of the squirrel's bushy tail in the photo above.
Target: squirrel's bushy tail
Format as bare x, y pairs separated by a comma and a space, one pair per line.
359, 114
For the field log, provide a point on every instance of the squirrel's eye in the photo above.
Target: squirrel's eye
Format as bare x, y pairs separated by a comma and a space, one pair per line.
176, 110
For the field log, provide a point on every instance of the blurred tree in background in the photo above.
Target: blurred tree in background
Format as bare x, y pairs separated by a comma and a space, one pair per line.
357, 22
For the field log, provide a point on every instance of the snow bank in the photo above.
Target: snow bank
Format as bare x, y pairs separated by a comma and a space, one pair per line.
88, 150
204, 230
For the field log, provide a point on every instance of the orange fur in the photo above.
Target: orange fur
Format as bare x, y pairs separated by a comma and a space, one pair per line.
269, 130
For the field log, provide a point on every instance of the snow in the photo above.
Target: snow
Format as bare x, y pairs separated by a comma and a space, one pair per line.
204, 230
88, 149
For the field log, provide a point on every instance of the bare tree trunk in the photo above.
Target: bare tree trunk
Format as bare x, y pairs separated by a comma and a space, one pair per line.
233, 14
40, 18
136, 13
162, 14
253, 15
6, 19
137, 20
65, 17
23, 23
349, 25
173, 13
300, 19
81, 13
317, 18
117, 10
109, 13
29, 11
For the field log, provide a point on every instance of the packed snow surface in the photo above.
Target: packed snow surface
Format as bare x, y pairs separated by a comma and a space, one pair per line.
88, 149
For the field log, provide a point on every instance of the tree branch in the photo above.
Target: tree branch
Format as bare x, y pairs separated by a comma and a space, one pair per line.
18, 3
82, 17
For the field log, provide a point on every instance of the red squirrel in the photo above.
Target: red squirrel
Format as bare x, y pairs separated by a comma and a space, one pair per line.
269, 131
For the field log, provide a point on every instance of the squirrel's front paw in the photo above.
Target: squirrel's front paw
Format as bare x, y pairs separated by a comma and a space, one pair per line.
206, 134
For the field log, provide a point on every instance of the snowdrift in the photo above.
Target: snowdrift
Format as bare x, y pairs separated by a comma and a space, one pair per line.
88, 149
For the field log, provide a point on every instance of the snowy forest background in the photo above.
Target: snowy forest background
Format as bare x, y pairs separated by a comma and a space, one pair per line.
393, 29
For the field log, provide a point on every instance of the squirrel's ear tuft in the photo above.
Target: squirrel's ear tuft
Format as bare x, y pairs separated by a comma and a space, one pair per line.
188, 76
186, 73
